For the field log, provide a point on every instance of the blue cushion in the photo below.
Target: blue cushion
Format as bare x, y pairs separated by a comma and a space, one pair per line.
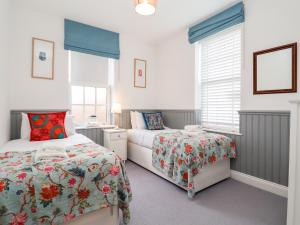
154, 121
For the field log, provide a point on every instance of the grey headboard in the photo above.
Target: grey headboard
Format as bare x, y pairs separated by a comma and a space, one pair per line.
16, 120
175, 119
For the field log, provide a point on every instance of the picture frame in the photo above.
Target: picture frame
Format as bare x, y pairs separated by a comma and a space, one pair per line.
275, 70
43, 59
140, 73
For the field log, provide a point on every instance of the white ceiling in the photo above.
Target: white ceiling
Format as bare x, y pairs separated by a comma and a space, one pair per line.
171, 17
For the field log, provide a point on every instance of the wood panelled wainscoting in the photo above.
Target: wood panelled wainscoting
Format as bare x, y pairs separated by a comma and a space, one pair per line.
175, 119
262, 149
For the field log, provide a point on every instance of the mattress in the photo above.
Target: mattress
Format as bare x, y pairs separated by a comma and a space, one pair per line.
145, 137
25, 145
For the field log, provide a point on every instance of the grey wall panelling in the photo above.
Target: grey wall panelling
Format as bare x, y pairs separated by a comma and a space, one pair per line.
263, 149
16, 120
175, 119
95, 134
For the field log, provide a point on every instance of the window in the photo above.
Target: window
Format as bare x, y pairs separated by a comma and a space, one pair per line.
88, 101
219, 79
90, 87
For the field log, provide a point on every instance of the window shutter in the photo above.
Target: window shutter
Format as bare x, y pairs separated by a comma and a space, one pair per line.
220, 79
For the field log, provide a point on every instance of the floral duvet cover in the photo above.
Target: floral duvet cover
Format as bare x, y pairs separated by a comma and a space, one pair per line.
56, 192
181, 155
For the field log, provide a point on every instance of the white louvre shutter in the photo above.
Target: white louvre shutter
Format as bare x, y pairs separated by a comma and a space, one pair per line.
220, 79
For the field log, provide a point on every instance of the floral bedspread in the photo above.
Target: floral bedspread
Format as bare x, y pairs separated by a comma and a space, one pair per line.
56, 192
181, 155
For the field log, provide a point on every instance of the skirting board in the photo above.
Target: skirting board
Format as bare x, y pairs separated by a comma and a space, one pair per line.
260, 183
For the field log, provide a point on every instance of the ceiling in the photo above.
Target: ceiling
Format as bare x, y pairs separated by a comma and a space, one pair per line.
171, 17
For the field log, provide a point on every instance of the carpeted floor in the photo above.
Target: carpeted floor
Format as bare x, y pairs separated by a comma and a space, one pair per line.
158, 202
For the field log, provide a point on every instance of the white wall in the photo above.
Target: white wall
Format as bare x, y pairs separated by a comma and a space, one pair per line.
176, 63
170, 69
127, 95
268, 24
28, 93
4, 111
25, 92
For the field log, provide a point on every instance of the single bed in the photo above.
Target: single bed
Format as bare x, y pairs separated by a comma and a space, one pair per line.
97, 215
107, 216
140, 145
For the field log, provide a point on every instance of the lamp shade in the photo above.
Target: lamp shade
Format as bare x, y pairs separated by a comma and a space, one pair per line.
145, 7
116, 108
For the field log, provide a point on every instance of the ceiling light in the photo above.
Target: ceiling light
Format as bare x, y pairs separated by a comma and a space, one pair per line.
145, 7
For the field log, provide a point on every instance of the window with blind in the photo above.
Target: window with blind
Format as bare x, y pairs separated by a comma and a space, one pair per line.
87, 102
90, 87
219, 79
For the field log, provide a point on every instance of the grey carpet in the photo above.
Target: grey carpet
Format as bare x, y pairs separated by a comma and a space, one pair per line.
158, 202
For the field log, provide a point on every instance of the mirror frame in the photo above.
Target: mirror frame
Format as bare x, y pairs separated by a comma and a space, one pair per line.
293, 46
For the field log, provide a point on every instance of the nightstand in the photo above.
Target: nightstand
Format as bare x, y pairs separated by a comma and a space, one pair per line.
116, 140
94, 133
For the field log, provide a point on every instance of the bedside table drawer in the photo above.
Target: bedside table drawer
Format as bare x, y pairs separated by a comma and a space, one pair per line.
118, 136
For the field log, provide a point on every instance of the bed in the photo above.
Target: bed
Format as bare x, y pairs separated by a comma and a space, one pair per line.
142, 147
87, 188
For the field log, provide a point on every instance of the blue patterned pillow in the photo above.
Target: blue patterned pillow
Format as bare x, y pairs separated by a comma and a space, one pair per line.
154, 121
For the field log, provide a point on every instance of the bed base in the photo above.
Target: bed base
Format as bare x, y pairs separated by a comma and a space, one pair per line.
106, 216
209, 175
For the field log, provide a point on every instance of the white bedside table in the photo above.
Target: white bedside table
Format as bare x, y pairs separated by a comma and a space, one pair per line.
116, 140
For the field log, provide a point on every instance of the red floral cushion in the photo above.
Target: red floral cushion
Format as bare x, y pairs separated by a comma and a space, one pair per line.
47, 126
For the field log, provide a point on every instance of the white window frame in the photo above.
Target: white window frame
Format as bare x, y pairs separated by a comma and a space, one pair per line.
108, 99
109, 87
198, 85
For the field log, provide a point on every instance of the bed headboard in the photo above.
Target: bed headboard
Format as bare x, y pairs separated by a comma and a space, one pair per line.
175, 119
16, 120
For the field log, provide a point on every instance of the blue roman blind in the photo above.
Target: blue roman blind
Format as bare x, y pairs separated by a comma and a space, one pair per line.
91, 40
223, 20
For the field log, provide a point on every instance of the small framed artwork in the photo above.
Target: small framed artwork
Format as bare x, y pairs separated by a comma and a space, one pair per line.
42, 59
140, 71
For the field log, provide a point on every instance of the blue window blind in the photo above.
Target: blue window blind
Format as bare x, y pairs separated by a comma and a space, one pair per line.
91, 40
223, 20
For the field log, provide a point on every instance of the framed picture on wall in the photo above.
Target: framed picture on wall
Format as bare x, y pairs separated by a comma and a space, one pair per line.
275, 70
140, 71
42, 59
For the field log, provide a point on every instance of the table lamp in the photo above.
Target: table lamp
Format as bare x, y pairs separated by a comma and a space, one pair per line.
116, 109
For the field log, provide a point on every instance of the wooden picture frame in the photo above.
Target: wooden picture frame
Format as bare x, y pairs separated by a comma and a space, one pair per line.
140, 73
280, 74
43, 59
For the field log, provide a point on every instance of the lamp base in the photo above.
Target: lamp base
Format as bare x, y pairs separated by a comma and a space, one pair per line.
116, 120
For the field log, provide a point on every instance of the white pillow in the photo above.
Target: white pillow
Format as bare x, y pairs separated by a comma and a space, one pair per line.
133, 119
69, 125
140, 122
26, 129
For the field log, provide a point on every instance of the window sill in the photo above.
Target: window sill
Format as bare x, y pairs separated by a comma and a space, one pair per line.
222, 131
